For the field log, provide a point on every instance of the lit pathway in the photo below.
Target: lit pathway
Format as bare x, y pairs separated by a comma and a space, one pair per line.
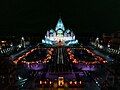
60, 56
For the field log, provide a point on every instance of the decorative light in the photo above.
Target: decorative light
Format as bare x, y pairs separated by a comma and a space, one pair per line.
50, 82
40, 82
75, 82
80, 82
70, 82
45, 82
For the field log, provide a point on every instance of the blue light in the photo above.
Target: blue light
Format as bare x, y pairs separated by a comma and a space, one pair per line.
53, 37
60, 25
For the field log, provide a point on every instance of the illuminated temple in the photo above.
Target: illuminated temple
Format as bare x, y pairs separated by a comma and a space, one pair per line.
60, 35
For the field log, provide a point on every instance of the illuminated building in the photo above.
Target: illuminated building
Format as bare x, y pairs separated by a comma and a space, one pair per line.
60, 35
60, 81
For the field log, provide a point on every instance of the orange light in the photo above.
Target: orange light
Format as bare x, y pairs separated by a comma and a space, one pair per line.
50, 82
45, 82
69, 53
60, 81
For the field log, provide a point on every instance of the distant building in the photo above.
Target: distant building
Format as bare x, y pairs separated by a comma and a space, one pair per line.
5, 44
113, 40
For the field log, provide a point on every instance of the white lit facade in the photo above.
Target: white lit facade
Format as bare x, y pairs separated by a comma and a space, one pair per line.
60, 35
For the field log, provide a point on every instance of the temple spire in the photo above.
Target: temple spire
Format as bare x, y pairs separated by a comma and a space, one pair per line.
60, 25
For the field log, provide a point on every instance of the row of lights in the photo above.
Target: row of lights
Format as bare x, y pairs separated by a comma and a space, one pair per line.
71, 56
70, 83
113, 51
25, 62
110, 50
98, 59
49, 55
75, 60
26, 54
46, 60
6, 50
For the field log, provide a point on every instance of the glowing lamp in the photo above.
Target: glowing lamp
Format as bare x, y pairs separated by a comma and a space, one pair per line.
75, 82
40, 82
80, 82
70, 82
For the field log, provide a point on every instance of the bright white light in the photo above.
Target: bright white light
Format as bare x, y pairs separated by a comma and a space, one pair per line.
97, 39
43, 41
101, 47
19, 46
118, 52
3, 41
1, 51
19, 78
96, 82
11, 45
108, 46
22, 38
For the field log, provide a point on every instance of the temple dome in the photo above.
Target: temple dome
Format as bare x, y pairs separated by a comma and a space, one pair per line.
60, 25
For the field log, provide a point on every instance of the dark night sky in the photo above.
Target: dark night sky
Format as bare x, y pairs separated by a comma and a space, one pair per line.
40, 15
